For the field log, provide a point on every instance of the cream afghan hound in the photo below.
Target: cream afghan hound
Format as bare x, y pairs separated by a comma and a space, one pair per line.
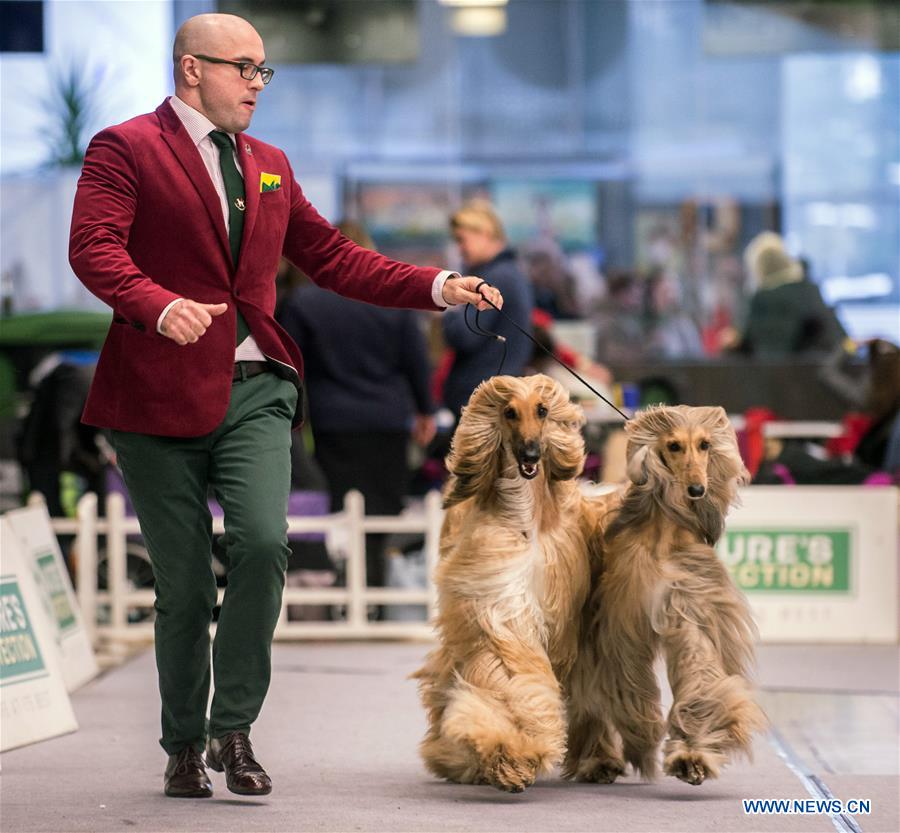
512, 580
663, 589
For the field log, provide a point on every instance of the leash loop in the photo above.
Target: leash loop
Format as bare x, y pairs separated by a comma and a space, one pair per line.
479, 330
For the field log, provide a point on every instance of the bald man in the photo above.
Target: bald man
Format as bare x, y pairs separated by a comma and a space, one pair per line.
179, 222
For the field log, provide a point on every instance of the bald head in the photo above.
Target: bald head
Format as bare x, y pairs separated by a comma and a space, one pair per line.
211, 34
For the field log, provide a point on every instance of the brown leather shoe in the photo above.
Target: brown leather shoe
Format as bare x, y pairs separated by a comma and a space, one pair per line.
186, 775
234, 754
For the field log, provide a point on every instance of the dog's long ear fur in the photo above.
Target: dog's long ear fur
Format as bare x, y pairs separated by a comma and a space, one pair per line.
637, 466
474, 458
562, 446
645, 468
726, 470
650, 480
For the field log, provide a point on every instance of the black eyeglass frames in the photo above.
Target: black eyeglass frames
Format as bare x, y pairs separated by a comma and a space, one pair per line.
248, 70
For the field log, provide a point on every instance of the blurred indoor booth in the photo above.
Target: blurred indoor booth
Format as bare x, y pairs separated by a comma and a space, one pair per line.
702, 200
636, 152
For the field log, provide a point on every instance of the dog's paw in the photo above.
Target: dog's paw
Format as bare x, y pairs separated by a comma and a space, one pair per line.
595, 769
510, 774
690, 767
600, 771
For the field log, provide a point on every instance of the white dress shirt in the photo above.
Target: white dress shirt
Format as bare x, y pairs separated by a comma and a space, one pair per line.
199, 127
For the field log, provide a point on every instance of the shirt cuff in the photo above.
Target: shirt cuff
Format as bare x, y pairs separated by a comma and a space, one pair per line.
437, 288
165, 312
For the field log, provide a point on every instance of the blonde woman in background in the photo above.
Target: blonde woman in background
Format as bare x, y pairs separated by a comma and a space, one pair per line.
482, 243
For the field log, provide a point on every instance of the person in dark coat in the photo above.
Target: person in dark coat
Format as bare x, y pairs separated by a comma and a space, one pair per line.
367, 376
482, 243
787, 315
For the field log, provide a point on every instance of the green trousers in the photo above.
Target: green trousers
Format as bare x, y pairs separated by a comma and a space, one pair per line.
246, 462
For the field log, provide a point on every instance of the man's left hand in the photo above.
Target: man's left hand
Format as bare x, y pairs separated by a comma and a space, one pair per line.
462, 291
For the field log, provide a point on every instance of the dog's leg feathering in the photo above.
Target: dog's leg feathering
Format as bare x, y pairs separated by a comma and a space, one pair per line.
593, 750
713, 716
512, 722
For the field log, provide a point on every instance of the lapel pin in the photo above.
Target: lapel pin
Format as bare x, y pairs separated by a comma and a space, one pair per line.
247, 149
239, 203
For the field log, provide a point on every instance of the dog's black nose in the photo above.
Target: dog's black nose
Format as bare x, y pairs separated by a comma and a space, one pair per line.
696, 490
531, 453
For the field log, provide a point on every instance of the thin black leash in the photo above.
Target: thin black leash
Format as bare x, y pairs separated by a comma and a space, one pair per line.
479, 330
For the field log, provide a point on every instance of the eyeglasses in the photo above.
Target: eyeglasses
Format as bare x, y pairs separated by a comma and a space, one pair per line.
248, 71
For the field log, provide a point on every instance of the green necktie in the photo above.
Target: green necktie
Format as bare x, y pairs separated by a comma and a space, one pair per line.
234, 192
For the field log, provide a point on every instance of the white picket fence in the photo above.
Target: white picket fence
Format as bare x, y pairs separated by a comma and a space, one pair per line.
106, 612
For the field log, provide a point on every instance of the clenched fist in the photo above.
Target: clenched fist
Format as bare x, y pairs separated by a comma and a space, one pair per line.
463, 291
187, 320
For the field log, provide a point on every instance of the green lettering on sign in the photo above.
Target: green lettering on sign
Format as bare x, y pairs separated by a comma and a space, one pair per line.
19, 652
788, 560
55, 591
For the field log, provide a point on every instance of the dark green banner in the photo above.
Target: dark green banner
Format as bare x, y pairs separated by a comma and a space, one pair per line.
788, 560
19, 652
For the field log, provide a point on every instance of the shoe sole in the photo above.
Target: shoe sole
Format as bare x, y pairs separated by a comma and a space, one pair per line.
218, 767
249, 792
204, 794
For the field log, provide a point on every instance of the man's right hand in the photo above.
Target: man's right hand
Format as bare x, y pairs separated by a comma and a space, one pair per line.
187, 320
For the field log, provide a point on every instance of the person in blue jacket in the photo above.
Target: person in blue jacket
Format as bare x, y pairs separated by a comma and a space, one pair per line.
367, 377
482, 243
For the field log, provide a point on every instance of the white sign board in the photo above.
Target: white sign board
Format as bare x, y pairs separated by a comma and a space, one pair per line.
38, 543
818, 563
34, 703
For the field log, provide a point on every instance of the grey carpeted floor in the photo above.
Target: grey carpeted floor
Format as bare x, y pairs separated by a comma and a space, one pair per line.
339, 734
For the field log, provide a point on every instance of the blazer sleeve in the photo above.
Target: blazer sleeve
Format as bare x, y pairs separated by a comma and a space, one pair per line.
105, 204
337, 263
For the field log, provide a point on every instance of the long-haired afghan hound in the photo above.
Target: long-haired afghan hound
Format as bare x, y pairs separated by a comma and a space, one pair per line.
662, 588
512, 580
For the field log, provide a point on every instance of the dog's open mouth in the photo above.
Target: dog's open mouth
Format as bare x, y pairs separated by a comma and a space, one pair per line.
528, 470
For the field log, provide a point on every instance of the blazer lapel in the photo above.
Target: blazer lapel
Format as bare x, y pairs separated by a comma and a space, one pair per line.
176, 137
251, 189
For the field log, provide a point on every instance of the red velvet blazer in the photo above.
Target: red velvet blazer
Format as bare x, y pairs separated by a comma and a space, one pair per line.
147, 228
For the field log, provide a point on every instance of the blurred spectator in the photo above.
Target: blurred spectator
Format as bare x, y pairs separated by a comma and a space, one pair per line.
869, 451
588, 283
554, 287
596, 374
877, 395
793, 461
725, 302
287, 279
670, 332
482, 244
620, 325
53, 440
367, 377
787, 314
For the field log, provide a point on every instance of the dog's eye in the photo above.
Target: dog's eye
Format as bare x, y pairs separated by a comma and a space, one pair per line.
674, 446
510, 413
541, 411
704, 445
